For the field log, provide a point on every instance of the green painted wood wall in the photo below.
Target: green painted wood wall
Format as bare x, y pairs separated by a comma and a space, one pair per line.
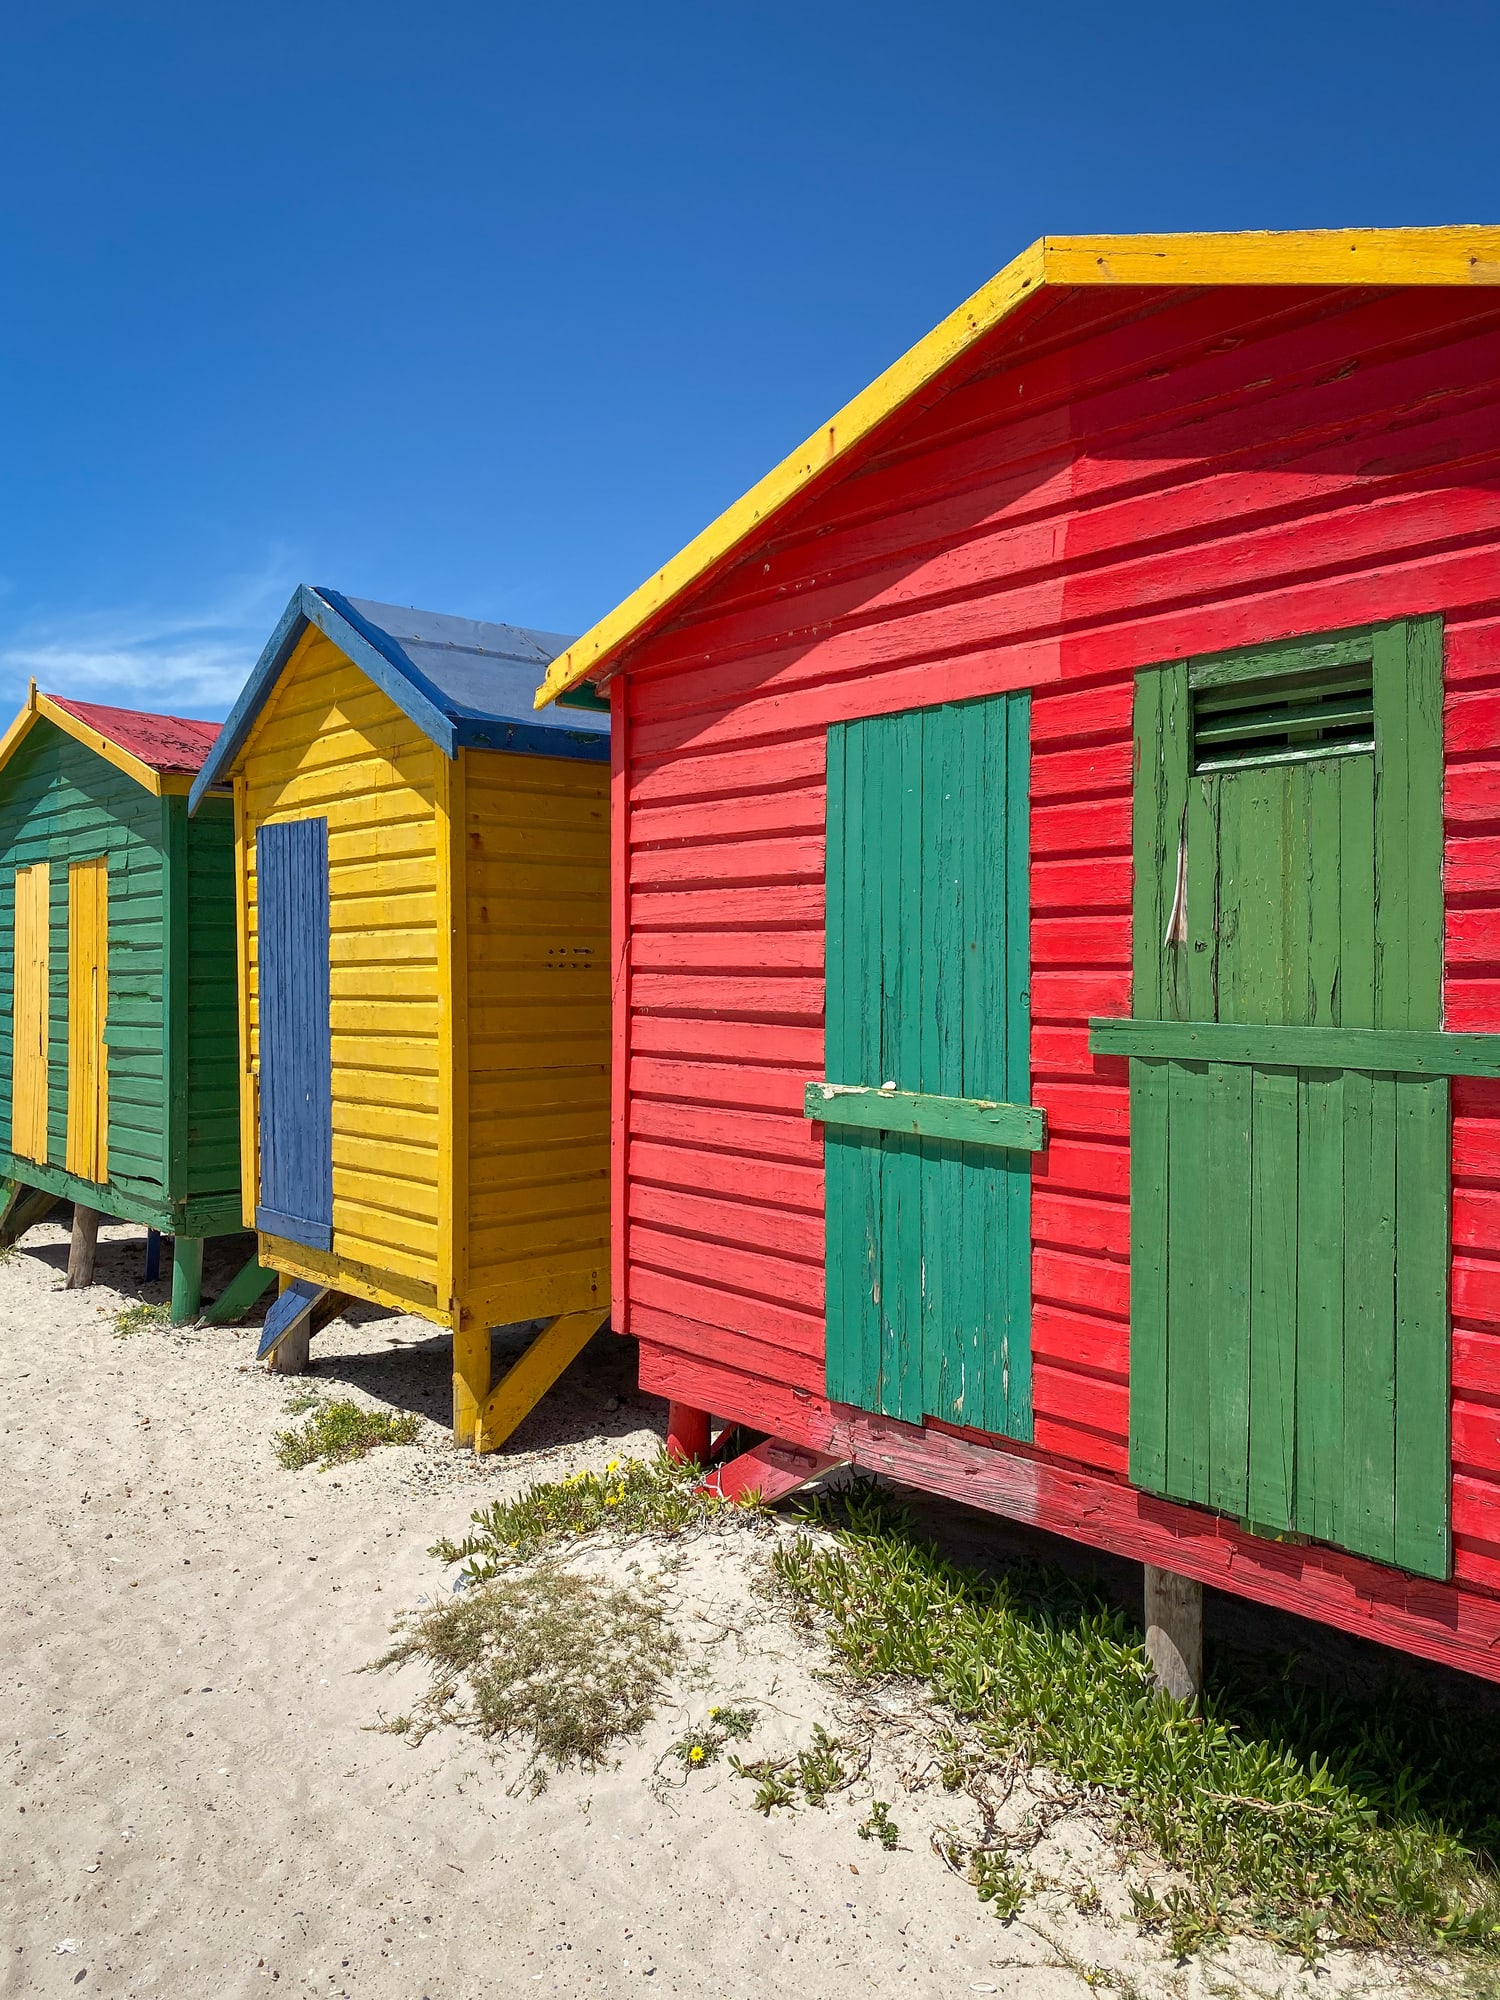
1290, 1226
929, 1241
169, 878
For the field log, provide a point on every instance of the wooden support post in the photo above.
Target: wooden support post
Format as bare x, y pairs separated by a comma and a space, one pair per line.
187, 1278
153, 1255
81, 1250
1174, 1632
471, 1379
293, 1355
688, 1434
526, 1381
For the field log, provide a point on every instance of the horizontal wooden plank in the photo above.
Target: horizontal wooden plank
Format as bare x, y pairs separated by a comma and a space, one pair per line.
1404, 1051
972, 1121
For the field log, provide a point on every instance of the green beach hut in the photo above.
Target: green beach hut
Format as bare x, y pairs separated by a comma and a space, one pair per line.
118, 1012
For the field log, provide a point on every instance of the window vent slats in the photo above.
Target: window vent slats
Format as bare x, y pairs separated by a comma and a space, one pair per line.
1284, 719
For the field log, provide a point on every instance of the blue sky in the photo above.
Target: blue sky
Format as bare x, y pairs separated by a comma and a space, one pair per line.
488, 308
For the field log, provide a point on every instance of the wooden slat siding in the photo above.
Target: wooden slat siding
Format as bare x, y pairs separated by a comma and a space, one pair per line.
213, 1131
60, 802
538, 965
331, 744
1471, 886
1268, 476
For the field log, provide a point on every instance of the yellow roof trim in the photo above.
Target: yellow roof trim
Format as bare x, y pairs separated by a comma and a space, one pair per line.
41, 708
1467, 255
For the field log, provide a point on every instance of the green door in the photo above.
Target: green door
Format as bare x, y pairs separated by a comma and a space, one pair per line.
928, 1132
1289, 1241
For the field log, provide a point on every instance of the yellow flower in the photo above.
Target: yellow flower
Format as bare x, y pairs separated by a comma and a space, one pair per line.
613, 1466
695, 1755
612, 1500
713, 1715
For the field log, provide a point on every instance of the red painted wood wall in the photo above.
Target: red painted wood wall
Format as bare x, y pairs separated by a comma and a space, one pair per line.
1135, 477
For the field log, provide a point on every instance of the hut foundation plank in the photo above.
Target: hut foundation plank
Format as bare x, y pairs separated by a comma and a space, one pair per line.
770, 1470
1174, 1632
523, 1386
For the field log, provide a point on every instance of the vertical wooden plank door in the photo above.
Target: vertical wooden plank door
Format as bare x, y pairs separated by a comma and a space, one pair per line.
88, 1005
929, 1238
1290, 1226
296, 1057
32, 962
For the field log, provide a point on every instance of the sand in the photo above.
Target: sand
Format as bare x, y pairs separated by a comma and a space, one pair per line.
198, 1799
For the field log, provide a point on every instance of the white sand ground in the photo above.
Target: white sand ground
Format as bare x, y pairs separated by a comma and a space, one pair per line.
195, 1803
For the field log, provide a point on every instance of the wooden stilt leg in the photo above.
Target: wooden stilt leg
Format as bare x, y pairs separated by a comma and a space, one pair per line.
471, 1379
1174, 1632
81, 1251
153, 1255
687, 1434
293, 1356
187, 1278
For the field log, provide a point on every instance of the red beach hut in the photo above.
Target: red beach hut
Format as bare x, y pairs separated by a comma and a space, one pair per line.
1057, 928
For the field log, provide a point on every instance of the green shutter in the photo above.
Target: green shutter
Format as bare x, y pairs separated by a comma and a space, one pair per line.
929, 1239
1290, 1225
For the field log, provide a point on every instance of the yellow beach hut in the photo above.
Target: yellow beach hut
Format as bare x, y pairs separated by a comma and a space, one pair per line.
422, 868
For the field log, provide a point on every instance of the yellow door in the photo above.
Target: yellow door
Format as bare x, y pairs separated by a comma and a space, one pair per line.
28, 1061
88, 997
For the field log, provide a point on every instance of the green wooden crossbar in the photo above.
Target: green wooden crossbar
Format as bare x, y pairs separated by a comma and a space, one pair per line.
1396, 1051
975, 1121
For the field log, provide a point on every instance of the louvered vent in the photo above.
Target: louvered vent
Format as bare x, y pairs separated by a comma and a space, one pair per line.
1284, 719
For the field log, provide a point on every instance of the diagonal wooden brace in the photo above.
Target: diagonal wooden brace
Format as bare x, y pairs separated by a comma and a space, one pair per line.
525, 1383
772, 1469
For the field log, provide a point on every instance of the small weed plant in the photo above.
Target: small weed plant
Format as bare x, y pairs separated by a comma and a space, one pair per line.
810, 1777
337, 1432
706, 1745
631, 1496
142, 1318
568, 1664
878, 1825
1298, 1814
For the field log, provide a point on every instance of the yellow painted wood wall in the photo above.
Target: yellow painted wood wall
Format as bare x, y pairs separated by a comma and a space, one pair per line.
88, 1004
29, 1006
536, 902
331, 743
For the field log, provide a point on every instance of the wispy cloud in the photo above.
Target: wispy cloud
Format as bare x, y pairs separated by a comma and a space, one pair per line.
187, 662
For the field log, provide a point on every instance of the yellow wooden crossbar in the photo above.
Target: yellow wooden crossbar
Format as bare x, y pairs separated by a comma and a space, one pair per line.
523, 1385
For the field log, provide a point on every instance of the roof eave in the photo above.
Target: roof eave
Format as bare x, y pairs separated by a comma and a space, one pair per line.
1460, 256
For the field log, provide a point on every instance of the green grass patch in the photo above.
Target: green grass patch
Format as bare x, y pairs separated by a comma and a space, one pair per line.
631, 1496
142, 1318
569, 1664
337, 1432
1292, 1812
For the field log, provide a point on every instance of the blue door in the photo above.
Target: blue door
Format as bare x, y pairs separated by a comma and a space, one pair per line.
296, 1056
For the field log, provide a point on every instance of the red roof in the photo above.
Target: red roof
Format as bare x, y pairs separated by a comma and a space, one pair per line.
165, 742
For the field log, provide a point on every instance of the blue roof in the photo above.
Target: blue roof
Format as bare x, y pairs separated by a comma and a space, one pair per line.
463, 683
